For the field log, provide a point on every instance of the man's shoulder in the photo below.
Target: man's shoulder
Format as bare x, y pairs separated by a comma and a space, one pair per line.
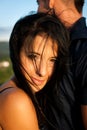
79, 30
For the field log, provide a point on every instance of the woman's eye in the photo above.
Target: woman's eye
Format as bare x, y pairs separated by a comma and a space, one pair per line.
53, 60
32, 56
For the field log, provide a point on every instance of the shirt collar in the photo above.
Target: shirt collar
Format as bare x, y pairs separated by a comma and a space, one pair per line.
79, 29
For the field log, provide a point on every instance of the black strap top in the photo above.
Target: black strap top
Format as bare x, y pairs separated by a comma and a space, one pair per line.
5, 89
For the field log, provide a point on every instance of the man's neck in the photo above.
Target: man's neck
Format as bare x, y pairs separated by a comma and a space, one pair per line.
69, 17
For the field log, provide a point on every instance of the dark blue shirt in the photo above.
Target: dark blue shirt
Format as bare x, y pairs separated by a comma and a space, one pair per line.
73, 88
63, 104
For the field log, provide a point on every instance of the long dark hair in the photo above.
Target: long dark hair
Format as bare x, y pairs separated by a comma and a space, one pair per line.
23, 35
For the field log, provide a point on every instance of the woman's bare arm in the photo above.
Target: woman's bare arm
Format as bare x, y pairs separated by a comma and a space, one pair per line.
17, 111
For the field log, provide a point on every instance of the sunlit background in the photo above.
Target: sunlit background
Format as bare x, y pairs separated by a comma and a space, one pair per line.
10, 12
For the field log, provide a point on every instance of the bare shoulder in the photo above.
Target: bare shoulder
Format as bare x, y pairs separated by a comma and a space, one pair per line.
16, 105
14, 96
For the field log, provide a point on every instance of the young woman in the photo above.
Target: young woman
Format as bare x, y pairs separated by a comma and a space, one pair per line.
38, 51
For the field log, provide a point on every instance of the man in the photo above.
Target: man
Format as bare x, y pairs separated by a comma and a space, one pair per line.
73, 87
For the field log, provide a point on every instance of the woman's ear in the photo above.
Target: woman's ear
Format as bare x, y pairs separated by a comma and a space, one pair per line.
51, 3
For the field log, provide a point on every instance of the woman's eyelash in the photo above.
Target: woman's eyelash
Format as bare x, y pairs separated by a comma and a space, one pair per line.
54, 59
32, 56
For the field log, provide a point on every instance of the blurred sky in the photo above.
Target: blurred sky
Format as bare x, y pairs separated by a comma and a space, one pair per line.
12, 10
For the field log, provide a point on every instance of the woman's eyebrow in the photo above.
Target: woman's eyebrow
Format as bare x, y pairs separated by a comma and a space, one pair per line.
54, 57
33, 52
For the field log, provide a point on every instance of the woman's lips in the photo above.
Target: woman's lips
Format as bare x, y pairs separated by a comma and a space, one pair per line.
37, 81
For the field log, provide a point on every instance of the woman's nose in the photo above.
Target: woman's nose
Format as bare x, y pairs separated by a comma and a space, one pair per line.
42, 68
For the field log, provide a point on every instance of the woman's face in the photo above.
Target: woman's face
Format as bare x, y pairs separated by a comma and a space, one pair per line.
39, 63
